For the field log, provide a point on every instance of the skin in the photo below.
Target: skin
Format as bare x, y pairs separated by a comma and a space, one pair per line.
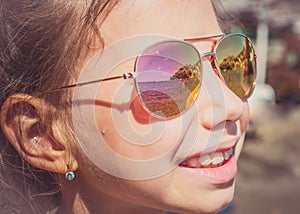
170, 191
94, 190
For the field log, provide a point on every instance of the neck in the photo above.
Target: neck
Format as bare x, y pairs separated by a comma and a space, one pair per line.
77, 200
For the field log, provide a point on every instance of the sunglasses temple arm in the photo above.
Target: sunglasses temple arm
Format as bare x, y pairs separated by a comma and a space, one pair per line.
124, 76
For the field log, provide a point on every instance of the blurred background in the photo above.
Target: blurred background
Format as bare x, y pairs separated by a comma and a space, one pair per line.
268, 181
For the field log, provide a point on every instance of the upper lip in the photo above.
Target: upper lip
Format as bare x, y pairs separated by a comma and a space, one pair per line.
223, 146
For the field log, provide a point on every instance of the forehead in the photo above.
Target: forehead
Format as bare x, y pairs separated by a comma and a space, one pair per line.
174, 18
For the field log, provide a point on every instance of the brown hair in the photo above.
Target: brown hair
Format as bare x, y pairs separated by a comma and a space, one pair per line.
41, 45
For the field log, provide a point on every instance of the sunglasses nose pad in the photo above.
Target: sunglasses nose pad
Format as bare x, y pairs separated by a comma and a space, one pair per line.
214, 64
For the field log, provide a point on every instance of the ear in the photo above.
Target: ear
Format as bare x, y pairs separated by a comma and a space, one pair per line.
38, 141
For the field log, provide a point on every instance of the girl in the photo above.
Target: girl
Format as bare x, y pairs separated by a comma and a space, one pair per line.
121, 106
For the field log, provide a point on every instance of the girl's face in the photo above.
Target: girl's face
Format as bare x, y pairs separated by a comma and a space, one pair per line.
153, 162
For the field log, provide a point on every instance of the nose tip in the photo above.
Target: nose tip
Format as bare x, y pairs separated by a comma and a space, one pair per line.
216, 102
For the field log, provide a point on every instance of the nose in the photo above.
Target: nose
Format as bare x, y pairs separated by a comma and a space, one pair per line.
216, 103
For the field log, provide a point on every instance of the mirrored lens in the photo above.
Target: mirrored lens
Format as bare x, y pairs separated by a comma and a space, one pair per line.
236, 60
168, 78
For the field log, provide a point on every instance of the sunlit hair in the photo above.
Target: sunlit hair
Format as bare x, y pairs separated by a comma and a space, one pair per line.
42, 45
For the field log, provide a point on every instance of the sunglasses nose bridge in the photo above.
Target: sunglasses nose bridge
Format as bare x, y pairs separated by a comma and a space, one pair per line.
208, 54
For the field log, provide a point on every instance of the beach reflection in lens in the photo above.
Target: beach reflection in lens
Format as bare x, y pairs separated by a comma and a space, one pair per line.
168, 78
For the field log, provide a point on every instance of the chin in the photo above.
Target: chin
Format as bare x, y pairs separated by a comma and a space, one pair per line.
211, 201
215, 203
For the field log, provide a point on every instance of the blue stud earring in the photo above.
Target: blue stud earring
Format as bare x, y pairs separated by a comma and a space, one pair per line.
69, 174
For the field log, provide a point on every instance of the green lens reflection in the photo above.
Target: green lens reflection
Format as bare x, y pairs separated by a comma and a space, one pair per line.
236, 60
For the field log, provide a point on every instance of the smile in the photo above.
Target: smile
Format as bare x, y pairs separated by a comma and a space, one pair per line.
212, 160
214, 168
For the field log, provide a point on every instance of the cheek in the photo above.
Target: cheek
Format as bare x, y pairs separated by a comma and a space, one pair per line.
138, 111
128, 129
244, 120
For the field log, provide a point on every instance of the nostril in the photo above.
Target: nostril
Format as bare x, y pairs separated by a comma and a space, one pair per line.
232, 128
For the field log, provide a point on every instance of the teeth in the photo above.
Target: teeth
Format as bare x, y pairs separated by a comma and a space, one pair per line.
217, 158
227, 154
209, 160
205, 160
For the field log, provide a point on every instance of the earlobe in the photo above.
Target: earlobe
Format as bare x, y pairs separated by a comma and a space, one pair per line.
22, 121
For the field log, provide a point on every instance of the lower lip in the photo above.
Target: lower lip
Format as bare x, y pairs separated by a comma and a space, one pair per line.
216, 176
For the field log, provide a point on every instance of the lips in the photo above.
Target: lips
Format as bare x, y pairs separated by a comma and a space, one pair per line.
211, 160
213, 167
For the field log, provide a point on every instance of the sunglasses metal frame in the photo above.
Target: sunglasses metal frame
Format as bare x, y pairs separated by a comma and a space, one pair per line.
189, 41
132, 75
213, 60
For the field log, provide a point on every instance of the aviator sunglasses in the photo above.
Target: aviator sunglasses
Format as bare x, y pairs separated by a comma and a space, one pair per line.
168, 74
